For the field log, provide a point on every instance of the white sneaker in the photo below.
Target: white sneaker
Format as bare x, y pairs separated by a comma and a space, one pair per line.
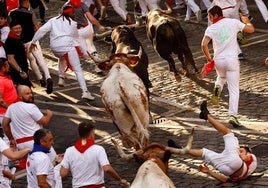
61, 82
187, 19
87, 95
198, 16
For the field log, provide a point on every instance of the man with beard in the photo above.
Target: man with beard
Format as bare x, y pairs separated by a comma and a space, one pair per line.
23, 118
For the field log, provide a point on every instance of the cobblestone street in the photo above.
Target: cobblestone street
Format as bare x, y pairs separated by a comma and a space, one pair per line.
174, 106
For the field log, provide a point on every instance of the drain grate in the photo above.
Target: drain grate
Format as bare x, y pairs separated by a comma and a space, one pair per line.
261, 150
159, 120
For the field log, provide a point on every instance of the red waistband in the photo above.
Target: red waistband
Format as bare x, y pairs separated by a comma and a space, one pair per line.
93, 186
24, 139
79, 27
228, 7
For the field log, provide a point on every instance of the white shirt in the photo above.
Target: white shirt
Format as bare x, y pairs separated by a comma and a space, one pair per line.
62, 34
224, 37
90, 163
38, 163
24, 117
3, 146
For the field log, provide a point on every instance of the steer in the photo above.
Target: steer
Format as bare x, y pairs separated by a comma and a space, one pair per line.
154, 158
125, 41
125, 98
167, 37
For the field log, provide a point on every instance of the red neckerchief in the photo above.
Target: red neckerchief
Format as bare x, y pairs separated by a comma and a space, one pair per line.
248, 163
83, 147
13, 35
217, 19
5, 24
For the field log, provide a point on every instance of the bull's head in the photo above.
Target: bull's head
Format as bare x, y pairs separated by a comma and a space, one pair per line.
127, 59
160, 154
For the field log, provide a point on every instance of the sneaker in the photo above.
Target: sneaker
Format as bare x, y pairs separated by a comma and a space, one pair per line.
187, 19
172, 144
241, 56
241, 38
204, 111
49, 86
198, 16
233, 121
87, 95
42, 83
61, 82
216, 95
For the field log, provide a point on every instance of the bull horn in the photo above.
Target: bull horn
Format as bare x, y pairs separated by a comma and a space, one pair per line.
168, 11
102, 35
97, 60
185, 149
122, 154
139, 54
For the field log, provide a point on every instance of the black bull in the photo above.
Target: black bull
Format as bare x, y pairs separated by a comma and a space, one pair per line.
124, 41
167, 37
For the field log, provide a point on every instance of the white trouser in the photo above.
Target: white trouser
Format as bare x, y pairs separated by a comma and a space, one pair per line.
244, 8
2, 52
36, 58
191, 7
75, 63
120, 8
151, 4
85, 39
228, 70
205, 4
263, 9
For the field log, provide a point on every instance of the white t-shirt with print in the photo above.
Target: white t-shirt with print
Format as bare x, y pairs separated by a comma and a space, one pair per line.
39, 163
224, 37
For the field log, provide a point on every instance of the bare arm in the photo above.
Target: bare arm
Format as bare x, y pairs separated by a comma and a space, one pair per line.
15, 155
64, 172
249, 28
110, 170
42, 181
3, 102
6, 127
14, 64
204, 47
216, 175
94, 21
46, 118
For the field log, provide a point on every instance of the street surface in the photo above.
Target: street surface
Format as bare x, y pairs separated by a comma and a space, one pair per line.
174, 106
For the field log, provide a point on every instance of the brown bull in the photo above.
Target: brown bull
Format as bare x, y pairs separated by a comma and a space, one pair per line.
154, 159
167, 37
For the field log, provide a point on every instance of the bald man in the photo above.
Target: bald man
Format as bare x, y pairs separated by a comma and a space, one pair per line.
23, 118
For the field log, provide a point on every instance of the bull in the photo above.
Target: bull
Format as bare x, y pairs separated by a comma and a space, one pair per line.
154, 159
167, 37
125, 98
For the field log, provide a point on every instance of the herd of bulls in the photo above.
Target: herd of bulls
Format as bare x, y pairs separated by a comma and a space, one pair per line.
125, 91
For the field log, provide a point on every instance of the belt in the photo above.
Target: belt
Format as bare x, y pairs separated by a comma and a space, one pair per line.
228, 7
237, 169
93, 186
24, 139
82, 26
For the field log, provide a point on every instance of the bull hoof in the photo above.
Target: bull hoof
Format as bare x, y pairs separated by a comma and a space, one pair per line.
178, 78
